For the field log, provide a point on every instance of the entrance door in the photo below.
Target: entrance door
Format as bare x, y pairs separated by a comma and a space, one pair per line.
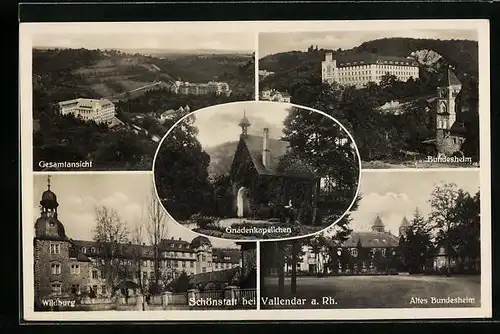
242, 202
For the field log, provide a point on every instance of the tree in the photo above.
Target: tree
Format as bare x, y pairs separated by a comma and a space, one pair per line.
464, 232
181, 172
110, 233
443, 201
156, 228
326, 148
416, 244
138, 254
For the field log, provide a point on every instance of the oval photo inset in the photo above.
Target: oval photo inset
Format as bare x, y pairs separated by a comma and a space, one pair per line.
256, 171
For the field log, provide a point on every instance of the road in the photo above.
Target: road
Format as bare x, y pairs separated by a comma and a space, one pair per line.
380, 291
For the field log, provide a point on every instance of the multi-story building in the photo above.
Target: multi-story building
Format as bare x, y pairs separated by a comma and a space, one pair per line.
65, 267
211, 87
97, 110
359, 69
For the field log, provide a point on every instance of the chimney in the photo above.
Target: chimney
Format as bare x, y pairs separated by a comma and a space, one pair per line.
172, 238
180, 239
144, 244
266, 154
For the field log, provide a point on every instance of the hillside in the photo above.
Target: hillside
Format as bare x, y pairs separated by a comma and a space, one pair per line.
221, 158
293, 69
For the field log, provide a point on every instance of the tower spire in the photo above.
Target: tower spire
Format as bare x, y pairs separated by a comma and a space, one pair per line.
48, 182
244, 124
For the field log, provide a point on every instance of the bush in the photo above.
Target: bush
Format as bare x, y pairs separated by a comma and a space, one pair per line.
202, 221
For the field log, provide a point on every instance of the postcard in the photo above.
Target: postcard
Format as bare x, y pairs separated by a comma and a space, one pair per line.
216, 171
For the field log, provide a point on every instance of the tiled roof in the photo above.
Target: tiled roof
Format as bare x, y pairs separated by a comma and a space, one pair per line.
372, 240
198, 241
458, 128
405, 222
277, 149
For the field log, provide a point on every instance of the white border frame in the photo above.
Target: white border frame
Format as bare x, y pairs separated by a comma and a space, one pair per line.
28, 30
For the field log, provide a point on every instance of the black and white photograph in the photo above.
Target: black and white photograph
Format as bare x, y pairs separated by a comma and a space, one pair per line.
412, 242
103, 242
257, 170
103, 100
409, 97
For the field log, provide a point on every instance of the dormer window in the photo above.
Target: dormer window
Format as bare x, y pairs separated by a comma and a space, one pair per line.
84, 250
92, 250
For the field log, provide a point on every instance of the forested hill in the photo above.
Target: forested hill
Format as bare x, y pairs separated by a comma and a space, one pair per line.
294, 68
461, 54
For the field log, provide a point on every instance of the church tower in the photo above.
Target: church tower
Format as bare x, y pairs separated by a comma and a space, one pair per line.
403, 228
446, 114
378, 225
244, 124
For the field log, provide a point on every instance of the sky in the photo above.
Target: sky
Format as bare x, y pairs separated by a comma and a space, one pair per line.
233, 42
78, 194
219, 124
271, 43
394, 195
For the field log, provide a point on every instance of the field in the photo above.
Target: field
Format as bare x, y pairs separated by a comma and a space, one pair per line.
378, 291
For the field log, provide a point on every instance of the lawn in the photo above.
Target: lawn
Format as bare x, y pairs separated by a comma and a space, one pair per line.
377, 291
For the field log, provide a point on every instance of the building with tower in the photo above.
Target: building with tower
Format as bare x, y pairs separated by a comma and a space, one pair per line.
359, 69
450, 128
366, 249
263, 176
68, 268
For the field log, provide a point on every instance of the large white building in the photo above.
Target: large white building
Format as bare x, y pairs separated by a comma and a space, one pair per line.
359, 69
98, 110
211, 87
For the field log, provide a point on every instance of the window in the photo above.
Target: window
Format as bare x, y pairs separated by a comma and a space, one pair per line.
75, 289
354, 252
103, 289
75, 269
56, 288
144, 276
56, 268
55, 249
92, 250
176, 264
152, 275
144, 263
94, 288
183, 264
95, 274
204, 270
84, 250
192, 264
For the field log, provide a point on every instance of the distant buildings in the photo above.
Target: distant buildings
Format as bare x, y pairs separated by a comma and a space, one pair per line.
211, 87
264, 73
173, 114
359, 69
276, 96
97, 110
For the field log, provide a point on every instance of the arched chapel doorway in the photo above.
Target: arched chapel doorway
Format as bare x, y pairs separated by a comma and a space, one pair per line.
242, 202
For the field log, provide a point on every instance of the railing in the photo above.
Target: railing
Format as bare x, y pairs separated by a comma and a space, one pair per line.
247, 294
216, 294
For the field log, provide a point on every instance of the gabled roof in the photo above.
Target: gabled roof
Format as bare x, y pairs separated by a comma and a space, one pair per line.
277, 149
372, 240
